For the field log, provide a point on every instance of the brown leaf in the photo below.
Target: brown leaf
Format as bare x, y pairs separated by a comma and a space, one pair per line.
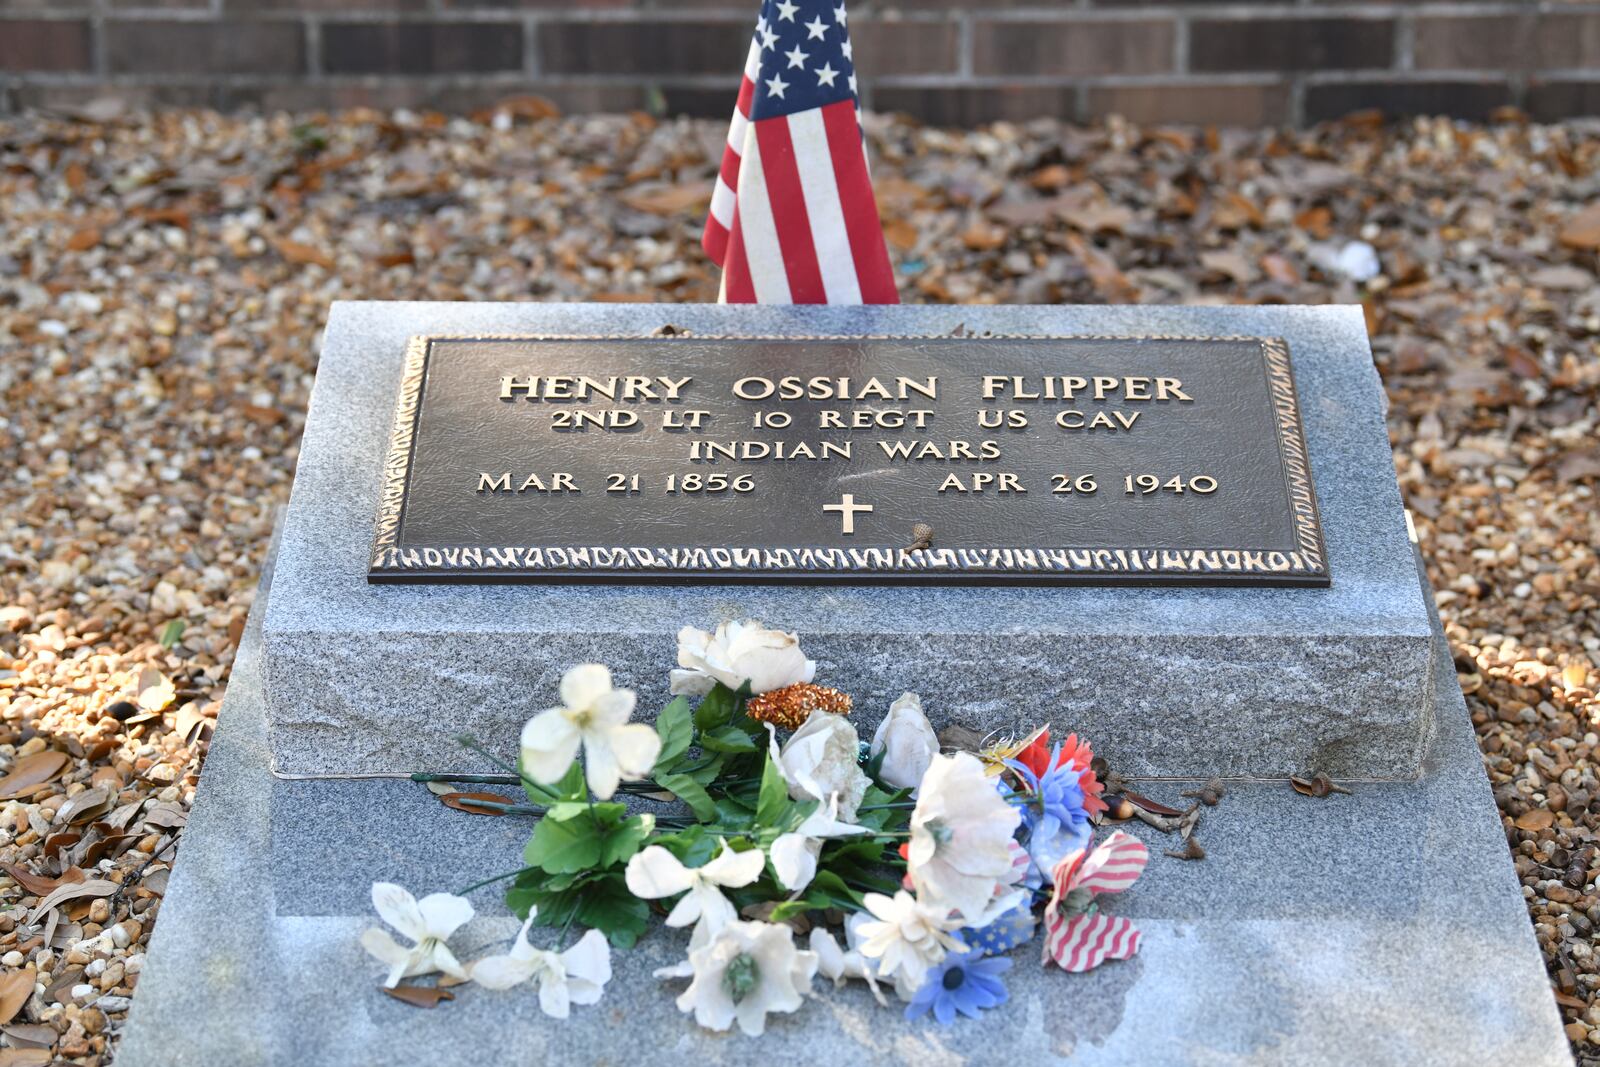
1108, 281
26, 1057
32, 771
30, 1035
1153, 806
901, 234
1536, 820
83, 240
155, 690
15, 989
420, 996
1280, 269
191, 724
1582, 230
1579, 465
669, 199
983, 236
302, 254
40, 885
87, 805
463, 802
96, 887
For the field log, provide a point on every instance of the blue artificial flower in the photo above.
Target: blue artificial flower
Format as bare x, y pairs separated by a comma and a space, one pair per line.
1053, 811
964, 983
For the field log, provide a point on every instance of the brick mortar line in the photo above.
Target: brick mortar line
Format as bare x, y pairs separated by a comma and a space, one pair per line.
960, 16
512, 78
1296, 10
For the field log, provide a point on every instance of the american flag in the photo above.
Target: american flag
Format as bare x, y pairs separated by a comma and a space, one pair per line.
793, 220
1084, 940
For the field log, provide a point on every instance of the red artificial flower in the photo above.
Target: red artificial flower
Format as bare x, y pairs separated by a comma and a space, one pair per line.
1075, 754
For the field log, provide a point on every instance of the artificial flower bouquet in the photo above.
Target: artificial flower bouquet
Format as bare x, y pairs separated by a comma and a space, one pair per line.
792, 850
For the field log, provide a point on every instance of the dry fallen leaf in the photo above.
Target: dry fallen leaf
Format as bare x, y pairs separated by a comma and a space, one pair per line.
32, 771
1535, 820
39, 885
15, 989
26, 1057
155, 690
464, 802
901, 234
302, 254
1108, 280
1579, 465
30, 1035
669, 199
1582, 229
96, 887
420, 996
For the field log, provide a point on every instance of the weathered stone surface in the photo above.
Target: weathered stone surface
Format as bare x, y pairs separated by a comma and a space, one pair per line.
1170, 682
1384, 927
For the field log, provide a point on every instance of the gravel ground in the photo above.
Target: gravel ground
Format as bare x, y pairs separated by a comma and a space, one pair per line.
163, 280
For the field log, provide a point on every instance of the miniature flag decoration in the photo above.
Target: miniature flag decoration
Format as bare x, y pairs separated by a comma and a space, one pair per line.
1077, 935
793, 219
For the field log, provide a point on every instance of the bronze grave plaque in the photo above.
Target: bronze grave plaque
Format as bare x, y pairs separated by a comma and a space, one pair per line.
975, 460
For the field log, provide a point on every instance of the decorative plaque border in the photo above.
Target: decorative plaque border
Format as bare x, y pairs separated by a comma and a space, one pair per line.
1304, 566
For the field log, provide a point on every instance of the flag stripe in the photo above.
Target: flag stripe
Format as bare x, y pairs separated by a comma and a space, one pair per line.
860, 209
763, 255
789, 215
823, 208
736, 284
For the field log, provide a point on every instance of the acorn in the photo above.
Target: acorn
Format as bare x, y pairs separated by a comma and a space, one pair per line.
921, 537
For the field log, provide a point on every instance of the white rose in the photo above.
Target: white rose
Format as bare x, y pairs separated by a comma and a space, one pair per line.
739, 652
820, 761
908, 742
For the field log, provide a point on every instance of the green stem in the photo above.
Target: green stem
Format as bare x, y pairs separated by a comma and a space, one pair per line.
491, 881
470, 779
471, 745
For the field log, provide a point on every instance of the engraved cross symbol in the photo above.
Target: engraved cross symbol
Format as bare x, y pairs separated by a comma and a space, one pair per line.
847, 508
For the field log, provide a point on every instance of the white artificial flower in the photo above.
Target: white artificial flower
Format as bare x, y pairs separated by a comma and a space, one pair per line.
429, 922
655, 872
841, 964
961, 833
576, 976
739, 652
596, 716
794, 854
908, 743
906, 937
820, 761
747, 970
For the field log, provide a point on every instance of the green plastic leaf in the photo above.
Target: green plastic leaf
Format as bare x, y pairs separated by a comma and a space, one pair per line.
626, 839
727, 739
773, 802
675, 725
561, 845
691, 793
830, 883
570, 786
716, 708
609, 907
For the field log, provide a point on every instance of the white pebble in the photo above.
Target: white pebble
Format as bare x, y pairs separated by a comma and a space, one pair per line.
119, 935
82, 991
13, 958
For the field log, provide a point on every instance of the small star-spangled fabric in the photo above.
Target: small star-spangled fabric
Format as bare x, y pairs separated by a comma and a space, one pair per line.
793, 219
